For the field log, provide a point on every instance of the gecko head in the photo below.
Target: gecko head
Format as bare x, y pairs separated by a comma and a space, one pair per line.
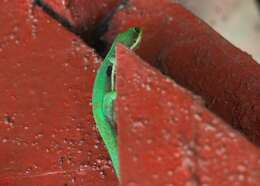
137, 35
136, 31
131, 38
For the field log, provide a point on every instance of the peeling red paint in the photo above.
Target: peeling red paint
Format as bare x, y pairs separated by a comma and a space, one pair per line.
167, 137
47, 132
190, 52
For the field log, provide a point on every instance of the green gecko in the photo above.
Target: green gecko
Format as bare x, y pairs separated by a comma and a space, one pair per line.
104, 93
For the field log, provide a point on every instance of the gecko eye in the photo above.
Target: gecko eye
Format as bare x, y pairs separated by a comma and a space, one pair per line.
137, 30
109, 70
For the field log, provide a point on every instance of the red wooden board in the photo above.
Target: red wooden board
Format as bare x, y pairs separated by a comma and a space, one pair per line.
47, 132
167, 137
83, 14
189, 51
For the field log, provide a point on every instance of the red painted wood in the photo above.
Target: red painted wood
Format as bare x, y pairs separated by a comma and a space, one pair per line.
190, 52
61, 7
87, 13
47, 132
83, 14
167, 137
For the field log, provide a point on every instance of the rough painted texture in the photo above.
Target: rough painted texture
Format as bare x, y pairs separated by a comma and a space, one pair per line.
83, 14
190, 52
166, 136
89, 12
60, 7
47, 133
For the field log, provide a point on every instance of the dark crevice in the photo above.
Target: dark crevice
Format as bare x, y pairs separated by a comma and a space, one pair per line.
63, 21
95, 38
92, 36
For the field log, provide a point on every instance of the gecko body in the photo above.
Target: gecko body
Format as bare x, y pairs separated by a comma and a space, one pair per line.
104, 93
